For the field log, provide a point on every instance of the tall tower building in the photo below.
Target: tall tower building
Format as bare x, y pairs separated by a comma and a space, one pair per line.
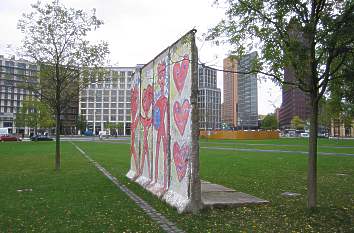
240, 107
230, 93
209, 99
294, 103
247, 94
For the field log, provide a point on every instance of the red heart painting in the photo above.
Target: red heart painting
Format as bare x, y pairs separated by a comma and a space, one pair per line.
180, 71
181, 114
181, 158
147, 98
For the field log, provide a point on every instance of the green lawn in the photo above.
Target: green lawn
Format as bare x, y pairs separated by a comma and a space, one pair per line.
76, 199
94, 204
298, 144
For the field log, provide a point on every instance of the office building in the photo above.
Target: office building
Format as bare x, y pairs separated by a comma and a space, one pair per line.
209, 99
247, 108
240, 93
108, 101
294, 102
339, 128
13, 74
230, 93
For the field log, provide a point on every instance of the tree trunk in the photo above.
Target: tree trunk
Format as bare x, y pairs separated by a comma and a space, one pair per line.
58, 114
57, 142
312, 159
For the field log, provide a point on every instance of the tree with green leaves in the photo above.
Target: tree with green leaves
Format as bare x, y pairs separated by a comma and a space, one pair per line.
120, 128
297, 123
115, 128
34, 114
324, 115
81, 123
341, 94
55, 38
312, 38
269, 122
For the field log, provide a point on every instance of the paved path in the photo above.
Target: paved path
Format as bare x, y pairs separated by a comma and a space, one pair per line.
164, 223
274, 151
215, 195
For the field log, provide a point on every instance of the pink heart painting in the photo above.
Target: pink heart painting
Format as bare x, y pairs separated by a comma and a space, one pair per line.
181, 158
180, 71
181, 115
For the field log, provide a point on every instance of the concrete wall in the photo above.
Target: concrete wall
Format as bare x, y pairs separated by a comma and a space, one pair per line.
161, 139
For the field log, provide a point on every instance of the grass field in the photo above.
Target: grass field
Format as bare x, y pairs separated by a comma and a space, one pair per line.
76, 199
79, 199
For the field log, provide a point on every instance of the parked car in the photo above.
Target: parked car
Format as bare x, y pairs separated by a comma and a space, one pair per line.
322, 135
9, 137
103, 134
41, 138
88, 133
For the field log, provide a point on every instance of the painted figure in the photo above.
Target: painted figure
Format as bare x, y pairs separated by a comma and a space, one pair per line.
146, 121
134, 123
160, 110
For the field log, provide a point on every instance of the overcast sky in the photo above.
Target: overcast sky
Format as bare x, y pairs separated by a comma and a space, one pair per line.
138, 30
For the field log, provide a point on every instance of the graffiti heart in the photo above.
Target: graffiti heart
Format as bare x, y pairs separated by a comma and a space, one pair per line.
181, 158
181, 114
180, 71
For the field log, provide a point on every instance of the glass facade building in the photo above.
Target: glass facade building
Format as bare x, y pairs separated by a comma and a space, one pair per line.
229, 111
13, 74
108, 101
240, 107
209, 99
247, 107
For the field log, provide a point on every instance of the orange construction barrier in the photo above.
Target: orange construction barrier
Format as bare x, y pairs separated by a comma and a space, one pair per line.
228, 134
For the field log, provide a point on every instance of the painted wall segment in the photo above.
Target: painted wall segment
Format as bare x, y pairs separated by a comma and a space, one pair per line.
146, 103
165, 112
161, 135
135, 126
180, 130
